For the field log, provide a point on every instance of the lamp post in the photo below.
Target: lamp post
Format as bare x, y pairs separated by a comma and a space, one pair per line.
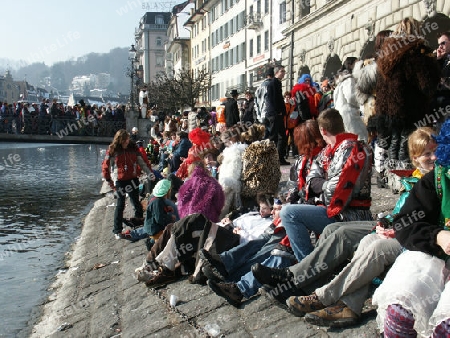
132, 73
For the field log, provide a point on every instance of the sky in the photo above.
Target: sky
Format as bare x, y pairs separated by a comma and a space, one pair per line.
59, 30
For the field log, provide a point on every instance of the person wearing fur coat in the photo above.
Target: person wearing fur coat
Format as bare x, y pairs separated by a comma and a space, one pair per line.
345, 101
366, 74
408, 81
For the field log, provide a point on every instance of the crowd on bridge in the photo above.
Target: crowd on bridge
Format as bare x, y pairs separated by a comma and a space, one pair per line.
55, 118
211, 206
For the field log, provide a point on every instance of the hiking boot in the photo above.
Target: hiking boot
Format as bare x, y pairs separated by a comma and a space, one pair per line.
279, 297
273, 277
229, 291
302, 305
212, 273
162, 277
145, 273
213, 268
338, 315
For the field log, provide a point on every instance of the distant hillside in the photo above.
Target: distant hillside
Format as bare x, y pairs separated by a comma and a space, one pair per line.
61, 73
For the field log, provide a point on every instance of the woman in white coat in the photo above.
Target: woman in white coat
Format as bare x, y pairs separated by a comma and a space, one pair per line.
345, 101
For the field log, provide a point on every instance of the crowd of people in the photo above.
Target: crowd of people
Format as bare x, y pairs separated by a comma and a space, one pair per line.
55, 118
214, 209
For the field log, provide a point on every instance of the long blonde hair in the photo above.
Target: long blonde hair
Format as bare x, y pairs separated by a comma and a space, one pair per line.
120, 137
408, 27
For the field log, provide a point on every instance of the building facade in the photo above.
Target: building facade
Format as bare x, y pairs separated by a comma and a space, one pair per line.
150, 39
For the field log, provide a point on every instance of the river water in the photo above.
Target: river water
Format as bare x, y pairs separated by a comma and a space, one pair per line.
45, 192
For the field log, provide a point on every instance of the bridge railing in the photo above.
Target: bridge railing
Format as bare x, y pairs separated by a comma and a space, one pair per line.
60, 126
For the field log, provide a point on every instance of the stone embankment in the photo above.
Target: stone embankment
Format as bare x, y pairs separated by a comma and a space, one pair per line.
99, 297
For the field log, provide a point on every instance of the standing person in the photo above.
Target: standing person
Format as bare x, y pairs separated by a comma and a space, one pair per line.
134, 134
232, 110
143, 101
408, 81
345, 101
275, 113
249, 115
327, 98
291, 120
122, 159
303, 92
443, 58
260, 96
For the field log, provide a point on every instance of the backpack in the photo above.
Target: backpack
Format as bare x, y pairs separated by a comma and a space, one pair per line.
302, 105
260, 101
293, 120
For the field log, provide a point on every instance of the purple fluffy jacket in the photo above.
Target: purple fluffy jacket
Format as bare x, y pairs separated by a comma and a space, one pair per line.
201, 193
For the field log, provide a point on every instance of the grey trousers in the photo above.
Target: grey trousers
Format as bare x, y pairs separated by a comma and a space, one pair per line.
336, 244
351, 286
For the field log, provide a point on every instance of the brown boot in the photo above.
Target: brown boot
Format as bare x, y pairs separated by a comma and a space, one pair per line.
338, 315
301, 305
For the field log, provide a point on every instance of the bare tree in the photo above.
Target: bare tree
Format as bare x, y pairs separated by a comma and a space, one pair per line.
172, 93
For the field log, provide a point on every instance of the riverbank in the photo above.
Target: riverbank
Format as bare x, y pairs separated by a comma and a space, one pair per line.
99, 297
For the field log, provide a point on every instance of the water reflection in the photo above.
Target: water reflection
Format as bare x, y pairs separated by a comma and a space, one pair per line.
45, 190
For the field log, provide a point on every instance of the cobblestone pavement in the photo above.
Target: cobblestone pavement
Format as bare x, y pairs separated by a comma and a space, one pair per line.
99, 297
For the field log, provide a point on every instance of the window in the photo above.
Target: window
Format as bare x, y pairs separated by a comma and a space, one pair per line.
251, 48
159, 20
250, 10
159, 60
159, 41
258, 6
266, 40
258, 45
266, 6
283, 12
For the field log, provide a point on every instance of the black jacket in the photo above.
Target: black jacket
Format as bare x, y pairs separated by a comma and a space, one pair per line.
231, 112
417, 224
274, 98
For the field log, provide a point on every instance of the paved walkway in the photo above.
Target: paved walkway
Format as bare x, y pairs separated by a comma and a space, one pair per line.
98, 296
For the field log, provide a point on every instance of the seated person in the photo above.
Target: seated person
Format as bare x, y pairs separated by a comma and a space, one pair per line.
180, 152
414, 298
341, 176
339, 303
159, 213
261, 233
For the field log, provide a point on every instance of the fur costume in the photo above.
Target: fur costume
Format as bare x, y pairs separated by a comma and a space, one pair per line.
261, 170
201, 193
230, 176
345, 102
365, 74
408, 81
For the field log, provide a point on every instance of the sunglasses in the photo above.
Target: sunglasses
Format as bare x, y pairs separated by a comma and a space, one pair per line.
442, 43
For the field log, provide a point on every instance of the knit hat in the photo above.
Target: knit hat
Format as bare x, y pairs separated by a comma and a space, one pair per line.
161, 188
201, 193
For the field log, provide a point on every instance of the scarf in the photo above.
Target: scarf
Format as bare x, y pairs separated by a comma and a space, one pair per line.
442, 181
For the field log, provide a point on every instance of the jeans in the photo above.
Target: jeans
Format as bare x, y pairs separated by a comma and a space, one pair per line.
297, 220
239, 260
122, 188
249, 285
138, 234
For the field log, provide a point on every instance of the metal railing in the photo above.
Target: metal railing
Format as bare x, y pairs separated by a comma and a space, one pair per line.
60, 126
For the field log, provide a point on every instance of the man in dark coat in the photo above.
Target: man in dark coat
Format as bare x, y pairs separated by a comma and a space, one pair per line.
231, 109
275, 111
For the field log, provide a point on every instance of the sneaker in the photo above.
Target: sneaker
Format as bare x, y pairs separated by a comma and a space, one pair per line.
145, 273
338, 315
119, 236
162, 277
302, 305
273, 277
229, 291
